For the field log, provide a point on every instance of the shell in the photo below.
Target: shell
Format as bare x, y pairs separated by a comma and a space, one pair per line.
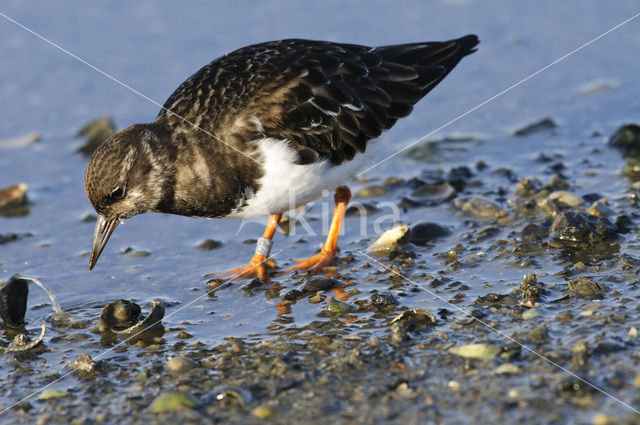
153, 318
13, 300
21, 341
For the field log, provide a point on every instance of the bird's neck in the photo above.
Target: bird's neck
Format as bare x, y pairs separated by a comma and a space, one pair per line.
201, 175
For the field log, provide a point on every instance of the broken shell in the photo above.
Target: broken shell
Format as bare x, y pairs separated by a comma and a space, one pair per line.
565, 198
232, 396
20, 141
415, 316
389, 240
586, 288
476, 351
119, 314
153, 318
13, 200
13, 301
22, 342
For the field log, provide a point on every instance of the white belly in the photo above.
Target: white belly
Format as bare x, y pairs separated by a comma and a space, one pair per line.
287, 185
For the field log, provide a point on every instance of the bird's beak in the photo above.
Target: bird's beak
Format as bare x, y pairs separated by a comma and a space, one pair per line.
104, 228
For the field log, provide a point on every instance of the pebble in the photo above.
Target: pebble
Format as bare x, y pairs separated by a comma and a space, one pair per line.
209, 244
433, 194
564, 198
264, 412
536, 127
374, 191
49, 394
572, 226
337, 306
479, 207
96, 132
627, 139
423, 233
172, 401
179, 364
507, 369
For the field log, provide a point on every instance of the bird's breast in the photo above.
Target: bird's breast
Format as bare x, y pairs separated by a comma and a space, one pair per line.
286, 185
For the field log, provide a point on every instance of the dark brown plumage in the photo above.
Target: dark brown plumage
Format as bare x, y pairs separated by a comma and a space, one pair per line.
205, 154
328, 98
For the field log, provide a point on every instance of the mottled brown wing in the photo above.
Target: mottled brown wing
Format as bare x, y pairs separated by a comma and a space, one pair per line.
328, 99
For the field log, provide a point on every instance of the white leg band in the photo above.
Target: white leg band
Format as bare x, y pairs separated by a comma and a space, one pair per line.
263, 247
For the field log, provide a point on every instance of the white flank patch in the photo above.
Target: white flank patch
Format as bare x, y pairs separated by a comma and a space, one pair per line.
287, 185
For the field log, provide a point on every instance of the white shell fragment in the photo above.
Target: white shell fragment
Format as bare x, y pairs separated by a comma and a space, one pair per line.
388, 241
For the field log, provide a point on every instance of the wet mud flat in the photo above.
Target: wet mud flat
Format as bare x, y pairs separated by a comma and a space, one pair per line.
506, 292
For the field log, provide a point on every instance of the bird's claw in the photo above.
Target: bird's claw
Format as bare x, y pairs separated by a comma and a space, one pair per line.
256, 268
314, 264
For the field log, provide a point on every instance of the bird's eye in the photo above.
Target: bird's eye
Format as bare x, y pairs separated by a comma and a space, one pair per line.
118, 193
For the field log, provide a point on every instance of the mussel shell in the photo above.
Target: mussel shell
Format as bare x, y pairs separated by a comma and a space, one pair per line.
120, 314
153, 318
13, 301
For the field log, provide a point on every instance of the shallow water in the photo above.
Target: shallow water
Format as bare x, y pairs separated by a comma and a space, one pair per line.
153, 46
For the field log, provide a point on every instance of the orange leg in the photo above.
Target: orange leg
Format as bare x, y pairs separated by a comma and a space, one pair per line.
317, 262
257, 267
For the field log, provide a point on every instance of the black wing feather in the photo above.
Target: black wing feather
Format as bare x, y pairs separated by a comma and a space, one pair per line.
327, 99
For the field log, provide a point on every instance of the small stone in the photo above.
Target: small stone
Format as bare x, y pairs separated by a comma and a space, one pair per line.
264, 412
507, 369
578, 227
83, 365
337, 306
586, 288
531, 289
602, 419
423, 233
179, 364
476, 351
383, 300
633, 332
96, 132
319, 283
360, 209
479, 207
536, 127
627, 139
600, 208
184, 335
172, 401
374, 191
433, 194
565, 199
527, 188
49, 394
209, 244
530, 313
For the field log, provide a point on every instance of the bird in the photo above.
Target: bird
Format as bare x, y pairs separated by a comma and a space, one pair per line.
261, 131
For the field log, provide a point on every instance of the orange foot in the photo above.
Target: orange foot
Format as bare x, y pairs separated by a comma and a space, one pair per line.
315, 263
257, 268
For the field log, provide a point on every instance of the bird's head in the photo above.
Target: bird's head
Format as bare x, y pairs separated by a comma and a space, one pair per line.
124, 177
